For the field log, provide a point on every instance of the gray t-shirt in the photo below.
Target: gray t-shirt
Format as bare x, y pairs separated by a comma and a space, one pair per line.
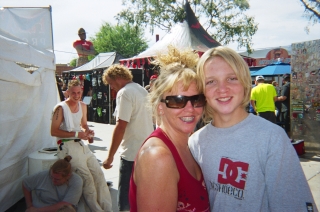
44, 193
251, 166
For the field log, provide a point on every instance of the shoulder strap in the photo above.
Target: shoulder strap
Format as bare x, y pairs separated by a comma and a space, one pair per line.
160, 134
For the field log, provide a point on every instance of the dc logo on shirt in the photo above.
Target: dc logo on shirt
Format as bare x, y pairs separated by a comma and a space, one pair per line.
233, 173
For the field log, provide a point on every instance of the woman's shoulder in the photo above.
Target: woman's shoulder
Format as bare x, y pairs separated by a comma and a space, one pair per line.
155, 158
155, 153
154, 147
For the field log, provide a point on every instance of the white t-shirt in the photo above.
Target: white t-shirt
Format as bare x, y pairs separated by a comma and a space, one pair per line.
131, 107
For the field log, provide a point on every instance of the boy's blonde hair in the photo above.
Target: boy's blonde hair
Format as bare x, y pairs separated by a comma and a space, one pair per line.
238, 65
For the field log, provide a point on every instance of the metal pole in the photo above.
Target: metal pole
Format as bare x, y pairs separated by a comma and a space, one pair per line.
50, 9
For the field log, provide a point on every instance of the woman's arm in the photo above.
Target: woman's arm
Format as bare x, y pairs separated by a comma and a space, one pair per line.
156, 177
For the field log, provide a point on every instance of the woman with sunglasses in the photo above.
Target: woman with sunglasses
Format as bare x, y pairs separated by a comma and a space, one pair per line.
248, 162
165, 176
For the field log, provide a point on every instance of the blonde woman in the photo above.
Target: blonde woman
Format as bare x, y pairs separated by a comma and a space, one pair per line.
165, 175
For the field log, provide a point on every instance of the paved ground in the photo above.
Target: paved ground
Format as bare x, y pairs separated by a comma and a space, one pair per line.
103, 133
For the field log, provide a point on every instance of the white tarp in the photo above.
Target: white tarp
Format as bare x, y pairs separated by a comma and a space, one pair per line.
102, 60
26, 103
32, 25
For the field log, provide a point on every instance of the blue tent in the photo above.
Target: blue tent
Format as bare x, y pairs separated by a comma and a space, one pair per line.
274, 70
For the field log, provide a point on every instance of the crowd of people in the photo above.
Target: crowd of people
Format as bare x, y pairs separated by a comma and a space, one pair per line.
234, 161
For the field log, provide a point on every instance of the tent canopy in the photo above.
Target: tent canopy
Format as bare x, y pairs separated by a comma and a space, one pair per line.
26, 103
102, 60
188, 34
274, 70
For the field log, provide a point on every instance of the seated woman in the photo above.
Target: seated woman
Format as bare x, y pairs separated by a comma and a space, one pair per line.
165, 176
50, 190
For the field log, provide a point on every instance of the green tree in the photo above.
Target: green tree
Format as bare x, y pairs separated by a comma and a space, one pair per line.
124, 38
224, 20
73, 62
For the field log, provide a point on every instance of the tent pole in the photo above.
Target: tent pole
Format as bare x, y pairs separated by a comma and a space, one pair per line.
142, 77
50, 9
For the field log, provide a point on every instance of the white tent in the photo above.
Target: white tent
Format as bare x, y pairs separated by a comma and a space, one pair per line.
102, 60
26, 103
186, 35
179, 36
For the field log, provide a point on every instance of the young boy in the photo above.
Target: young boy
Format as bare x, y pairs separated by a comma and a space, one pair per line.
248, 162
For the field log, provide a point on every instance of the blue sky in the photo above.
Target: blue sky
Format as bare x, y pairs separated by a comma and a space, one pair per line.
280, 22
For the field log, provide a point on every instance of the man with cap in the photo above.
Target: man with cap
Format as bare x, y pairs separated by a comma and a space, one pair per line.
284, 98
83, 47
263, 97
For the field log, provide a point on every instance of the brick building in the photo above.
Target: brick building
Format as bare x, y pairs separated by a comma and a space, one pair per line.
62, 67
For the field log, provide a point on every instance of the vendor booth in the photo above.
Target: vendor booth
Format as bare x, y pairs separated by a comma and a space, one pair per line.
99, 98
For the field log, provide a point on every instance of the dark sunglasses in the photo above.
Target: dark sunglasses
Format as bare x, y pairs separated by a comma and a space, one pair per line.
180, 101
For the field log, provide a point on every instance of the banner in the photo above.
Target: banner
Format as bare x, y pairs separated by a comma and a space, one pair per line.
32, 25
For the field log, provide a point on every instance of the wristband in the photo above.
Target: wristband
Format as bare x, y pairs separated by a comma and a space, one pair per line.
76, 135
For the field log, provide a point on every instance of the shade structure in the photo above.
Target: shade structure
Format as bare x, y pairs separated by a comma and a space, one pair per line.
274, 70
102, 60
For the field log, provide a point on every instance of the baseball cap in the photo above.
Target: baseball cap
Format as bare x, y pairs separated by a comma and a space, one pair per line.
259, 78
285, 76
81, 31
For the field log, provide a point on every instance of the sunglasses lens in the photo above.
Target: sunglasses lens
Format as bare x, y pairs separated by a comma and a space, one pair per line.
198, 101
181, 101
176, 101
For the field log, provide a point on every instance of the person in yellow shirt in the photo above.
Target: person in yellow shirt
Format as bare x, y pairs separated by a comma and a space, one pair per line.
263, 98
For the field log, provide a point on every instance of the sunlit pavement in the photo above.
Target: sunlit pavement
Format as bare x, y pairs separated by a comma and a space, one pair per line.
103, 133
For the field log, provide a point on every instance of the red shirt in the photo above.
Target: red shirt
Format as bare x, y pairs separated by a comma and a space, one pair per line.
84, 43
192, 194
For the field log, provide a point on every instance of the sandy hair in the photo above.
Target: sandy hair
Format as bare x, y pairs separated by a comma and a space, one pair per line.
62, 166
175, 66
116, 71
72, 83
238, 65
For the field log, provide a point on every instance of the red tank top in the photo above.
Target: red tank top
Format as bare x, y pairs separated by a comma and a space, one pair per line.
192, 194
84, 43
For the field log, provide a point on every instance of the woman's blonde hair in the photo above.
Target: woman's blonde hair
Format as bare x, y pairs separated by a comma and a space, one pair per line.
175, 66
238, 65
